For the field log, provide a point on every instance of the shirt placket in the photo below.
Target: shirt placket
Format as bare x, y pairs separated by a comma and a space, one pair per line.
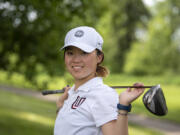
71, 101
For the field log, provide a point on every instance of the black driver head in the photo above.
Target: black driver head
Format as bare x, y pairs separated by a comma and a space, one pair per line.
155, 102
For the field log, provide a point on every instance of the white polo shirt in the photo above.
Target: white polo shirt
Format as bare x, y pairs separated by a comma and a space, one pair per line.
87, 109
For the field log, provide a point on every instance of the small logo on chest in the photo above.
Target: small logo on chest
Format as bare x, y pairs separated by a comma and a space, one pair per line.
79, 100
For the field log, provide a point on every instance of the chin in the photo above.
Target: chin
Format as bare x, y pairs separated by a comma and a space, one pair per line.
83, 77
79, 77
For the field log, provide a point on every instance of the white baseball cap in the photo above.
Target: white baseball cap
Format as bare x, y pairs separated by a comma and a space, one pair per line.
85, 38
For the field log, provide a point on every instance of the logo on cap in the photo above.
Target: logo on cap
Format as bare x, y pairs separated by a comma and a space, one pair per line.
79, 33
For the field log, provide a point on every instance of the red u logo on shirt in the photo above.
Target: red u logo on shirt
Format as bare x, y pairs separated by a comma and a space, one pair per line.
79, 100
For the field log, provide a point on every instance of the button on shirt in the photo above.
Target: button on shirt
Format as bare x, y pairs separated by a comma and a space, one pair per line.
87, 109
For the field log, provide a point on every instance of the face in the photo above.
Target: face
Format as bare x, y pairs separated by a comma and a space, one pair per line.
80, 64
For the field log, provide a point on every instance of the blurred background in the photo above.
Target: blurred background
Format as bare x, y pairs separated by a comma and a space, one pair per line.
141, 43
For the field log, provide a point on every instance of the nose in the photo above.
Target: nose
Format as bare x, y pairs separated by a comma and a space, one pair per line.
76, 58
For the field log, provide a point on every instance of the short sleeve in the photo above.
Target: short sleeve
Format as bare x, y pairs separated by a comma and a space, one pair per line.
104, 108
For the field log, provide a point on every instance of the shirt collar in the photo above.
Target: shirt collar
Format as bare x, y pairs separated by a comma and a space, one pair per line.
89, 84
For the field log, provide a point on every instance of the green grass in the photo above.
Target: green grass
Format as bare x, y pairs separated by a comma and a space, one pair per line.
122, 79
35, 116
171, 90
24, 115
138, 130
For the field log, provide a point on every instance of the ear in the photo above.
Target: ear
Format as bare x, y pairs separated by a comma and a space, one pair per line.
99, 58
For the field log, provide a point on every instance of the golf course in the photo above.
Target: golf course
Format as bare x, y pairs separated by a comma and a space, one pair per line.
23, 114
51, 45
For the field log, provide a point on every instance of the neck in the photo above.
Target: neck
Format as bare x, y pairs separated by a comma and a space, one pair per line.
79, 82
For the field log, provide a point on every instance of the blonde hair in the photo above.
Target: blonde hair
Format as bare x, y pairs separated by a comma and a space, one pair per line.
101, 71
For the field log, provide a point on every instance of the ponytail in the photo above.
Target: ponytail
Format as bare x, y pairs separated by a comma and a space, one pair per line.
101, 71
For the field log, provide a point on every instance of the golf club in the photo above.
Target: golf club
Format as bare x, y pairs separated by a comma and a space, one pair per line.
153, 99
155, 102
47, 92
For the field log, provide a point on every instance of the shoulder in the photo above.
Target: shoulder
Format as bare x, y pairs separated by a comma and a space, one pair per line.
103, 92
104, 89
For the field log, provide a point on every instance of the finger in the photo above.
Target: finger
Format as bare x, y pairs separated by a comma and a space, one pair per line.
138, 84
65, 94
128, 89
66, 89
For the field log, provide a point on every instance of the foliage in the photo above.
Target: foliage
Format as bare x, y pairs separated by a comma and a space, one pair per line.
160, 53
28, 30
42, 81
124, 79
126, 17
32, 32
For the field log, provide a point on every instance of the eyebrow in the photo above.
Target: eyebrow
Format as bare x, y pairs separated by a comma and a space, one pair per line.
68, 48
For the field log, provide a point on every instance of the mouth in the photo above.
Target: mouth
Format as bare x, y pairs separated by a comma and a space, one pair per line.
77, 68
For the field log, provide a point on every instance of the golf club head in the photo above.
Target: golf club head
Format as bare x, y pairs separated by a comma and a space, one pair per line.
154, 101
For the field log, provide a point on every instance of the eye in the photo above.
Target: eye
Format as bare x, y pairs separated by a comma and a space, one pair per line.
69, 53
84, 53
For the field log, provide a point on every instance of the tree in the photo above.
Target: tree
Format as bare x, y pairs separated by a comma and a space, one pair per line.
127, 15
159, 54
32, 32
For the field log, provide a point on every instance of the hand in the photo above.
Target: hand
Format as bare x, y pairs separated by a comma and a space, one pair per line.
128, 96
63, 97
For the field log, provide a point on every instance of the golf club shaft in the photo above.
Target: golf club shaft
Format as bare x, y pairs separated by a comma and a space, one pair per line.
46, 92
116, 87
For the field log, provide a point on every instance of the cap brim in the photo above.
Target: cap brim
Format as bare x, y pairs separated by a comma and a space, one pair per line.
83, 47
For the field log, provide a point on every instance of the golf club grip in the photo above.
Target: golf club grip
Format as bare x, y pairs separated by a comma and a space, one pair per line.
47, 92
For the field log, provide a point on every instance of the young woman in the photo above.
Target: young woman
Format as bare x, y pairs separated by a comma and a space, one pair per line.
90, 107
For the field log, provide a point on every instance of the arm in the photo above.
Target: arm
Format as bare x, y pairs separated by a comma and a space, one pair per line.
116, 127
62, 98
120, 126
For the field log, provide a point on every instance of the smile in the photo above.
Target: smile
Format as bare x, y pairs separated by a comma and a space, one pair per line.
77, 67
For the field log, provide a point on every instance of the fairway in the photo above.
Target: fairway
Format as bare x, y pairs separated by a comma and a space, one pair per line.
24, 115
